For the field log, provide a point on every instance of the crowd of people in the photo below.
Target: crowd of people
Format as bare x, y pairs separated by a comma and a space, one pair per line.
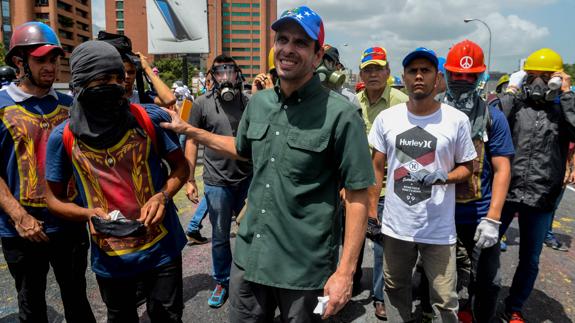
424, 165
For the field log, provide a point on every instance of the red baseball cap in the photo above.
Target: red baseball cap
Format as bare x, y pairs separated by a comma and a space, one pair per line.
43, 50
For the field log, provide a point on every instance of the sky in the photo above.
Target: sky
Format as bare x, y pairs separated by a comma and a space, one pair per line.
518, 27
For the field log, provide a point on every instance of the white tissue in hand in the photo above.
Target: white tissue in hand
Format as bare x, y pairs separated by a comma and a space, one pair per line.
321, 305
116, 215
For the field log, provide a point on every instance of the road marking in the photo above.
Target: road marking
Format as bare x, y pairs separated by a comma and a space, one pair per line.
571, 188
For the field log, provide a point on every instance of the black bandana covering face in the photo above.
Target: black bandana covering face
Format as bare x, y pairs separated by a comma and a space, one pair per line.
100, 116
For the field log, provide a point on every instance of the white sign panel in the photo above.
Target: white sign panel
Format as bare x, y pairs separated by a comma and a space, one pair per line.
177, 26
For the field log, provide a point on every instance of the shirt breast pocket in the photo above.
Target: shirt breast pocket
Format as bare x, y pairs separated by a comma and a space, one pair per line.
305, 154
255, 134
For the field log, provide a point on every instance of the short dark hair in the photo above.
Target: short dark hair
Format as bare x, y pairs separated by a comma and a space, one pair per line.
316, 48
223, 58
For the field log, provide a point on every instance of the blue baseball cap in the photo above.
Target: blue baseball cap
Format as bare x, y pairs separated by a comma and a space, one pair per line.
441, 64
421, 52
307, 19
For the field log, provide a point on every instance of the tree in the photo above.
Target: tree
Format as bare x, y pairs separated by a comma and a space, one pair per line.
171, 70
570, 69
2, 53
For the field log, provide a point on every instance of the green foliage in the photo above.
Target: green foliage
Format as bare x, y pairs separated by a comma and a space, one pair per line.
171, 70
2, 54
570, 69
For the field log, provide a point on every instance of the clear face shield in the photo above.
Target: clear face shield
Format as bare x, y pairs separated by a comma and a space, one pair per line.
226, 76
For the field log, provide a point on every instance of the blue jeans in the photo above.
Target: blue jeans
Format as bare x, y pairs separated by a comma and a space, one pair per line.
223, 202
533, 224
196, 222
378, 260
549, 235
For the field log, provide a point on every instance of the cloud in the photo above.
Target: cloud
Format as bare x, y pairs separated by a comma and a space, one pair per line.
403, 25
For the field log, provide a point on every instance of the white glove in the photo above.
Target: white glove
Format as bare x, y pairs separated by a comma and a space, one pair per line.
516, 79
487, 233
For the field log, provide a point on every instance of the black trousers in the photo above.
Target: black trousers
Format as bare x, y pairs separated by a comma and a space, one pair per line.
29, 262
162, 288
256, 303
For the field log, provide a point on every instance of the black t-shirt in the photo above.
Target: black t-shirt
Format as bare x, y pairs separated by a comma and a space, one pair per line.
217, 116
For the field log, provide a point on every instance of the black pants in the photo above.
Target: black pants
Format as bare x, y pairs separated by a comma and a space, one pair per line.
29, 262
162, 288
256, 303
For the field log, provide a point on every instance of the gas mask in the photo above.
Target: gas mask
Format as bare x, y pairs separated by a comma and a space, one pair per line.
329, 76
538, 90
228, 81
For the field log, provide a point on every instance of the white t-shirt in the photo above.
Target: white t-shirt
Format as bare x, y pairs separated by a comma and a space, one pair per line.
412, 143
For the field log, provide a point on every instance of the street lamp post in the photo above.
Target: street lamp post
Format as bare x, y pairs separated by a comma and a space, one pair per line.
488, 29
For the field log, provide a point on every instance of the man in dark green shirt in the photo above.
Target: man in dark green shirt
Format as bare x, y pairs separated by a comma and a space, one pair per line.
306, 143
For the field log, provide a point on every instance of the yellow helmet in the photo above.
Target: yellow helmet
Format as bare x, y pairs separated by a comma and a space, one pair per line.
503, 79
544, 59
271, 65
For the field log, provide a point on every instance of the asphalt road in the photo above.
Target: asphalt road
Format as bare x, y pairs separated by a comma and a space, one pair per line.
551, 301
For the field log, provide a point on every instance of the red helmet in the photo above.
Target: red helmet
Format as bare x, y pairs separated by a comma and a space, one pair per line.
465, 57
33, 34
359, 86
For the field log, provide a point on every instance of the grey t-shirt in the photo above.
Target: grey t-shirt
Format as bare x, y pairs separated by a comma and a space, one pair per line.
220, 117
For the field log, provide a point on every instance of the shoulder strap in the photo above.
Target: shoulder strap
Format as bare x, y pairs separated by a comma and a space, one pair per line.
68, 139
144, 121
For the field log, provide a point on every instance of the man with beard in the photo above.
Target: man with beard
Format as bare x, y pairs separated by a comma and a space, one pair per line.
481, 198
540, 107
427, 147
306, 143
114, 151
32, 238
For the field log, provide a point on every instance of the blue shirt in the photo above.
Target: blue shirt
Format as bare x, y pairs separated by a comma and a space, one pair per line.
26, 123
499, 143
168, 239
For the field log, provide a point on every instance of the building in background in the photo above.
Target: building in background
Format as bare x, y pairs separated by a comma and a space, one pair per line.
239, 28
70, 19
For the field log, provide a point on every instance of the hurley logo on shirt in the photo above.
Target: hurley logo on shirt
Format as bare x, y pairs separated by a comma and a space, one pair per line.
415, 143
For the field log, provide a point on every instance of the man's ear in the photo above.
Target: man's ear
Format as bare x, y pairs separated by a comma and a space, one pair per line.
19, 62
318, 58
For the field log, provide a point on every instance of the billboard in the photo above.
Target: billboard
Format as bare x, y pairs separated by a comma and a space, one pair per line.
177, 26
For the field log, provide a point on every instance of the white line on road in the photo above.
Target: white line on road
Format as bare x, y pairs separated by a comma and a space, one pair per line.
571, 188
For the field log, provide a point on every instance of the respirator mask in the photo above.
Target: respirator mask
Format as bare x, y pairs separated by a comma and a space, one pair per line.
228, 81
542, 88
329, 75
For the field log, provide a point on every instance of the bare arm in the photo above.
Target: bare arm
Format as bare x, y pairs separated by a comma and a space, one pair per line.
59, 205
378, 160
339, 285
26, 225
501, 180
152, 213
225, 145
191, 153
460, 173
165, 96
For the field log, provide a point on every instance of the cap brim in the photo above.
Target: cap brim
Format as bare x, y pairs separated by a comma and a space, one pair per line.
420, 54
277, 24
373, 62
44, 50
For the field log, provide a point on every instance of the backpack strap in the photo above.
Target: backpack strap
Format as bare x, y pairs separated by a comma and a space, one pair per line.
68, 139
143, 119
139, 114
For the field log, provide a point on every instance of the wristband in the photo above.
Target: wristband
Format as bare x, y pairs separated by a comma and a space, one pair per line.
166, 197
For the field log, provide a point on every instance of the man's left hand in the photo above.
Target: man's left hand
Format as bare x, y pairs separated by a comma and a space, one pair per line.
566, 78
152, 213
338, 288
177, 124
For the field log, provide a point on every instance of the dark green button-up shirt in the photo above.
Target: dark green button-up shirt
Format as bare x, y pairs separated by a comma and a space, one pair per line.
304, 149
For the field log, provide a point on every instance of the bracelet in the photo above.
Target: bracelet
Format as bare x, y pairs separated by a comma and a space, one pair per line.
166, 197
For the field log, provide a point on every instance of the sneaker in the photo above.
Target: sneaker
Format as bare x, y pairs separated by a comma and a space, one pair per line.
515, 317
380, 310
555, 244
219, 296
195, 237
502, 246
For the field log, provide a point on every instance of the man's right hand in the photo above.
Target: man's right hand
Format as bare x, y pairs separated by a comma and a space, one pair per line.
261, 82
99, 212
192, 192
29, 228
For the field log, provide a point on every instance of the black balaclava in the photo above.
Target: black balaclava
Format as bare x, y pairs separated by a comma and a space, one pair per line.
100, 115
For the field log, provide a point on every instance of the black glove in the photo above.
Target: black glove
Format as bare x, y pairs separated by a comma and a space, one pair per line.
118, 228
374, 230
